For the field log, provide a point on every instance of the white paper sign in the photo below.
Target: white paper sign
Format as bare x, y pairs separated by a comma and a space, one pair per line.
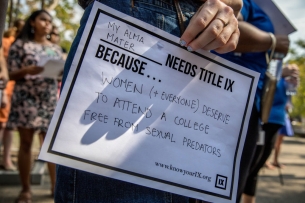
53, 68
138, 107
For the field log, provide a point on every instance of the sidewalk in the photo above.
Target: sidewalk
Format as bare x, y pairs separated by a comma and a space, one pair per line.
269, 189
41, 193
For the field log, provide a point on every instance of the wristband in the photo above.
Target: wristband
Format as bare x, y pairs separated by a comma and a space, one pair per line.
273, 39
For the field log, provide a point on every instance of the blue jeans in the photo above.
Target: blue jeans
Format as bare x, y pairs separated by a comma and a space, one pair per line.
78, 186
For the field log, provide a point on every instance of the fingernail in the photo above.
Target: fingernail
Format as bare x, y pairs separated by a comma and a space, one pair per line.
182, 42
190, 49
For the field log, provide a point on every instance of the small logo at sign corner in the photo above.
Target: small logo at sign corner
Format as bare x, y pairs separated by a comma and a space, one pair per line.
221, 182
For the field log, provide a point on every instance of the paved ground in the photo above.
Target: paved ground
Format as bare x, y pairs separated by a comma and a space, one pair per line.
41, 193
270, 189
293, 191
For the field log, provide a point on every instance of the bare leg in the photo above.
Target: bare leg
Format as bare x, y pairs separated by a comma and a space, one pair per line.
41, 138
51, 167
269, 165
24, 158
7, 143
248, 199
277, 148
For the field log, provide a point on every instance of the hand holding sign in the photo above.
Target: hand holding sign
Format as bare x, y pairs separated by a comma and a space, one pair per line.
213, 27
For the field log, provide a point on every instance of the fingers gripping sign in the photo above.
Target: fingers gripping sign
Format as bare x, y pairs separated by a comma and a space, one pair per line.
227, 40
213, 27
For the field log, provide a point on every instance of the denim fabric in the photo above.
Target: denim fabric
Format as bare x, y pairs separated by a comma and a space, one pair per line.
159, 13
78, 186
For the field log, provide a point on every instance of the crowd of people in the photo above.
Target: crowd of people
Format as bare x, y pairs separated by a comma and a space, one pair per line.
244, 35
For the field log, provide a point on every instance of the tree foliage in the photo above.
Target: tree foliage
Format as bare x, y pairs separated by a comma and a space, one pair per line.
65, 12
62, 11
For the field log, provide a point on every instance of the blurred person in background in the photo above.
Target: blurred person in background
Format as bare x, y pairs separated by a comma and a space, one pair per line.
34, 97
6, 134
18, 24
54, 35
55, 38
3, 70
285, 130
6, 93
275, 122
290, 77
3, 8
3, 103
11, 34
9, 37
3, 78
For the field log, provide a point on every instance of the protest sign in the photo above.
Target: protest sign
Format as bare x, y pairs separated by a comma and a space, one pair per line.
281, 25
138, 107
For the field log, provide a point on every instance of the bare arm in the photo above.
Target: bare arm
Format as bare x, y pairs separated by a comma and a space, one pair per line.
29, 70
253, 39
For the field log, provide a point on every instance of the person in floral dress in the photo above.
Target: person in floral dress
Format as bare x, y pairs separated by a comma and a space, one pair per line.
34, 97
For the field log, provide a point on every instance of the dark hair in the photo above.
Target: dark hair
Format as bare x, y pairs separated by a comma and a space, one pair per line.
10, 32
17, 22
26, 33
54, 27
